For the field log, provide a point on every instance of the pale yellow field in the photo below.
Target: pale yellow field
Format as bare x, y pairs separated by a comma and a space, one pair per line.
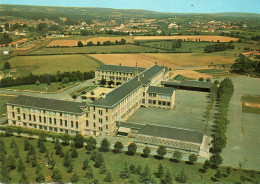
188, 38
171, 60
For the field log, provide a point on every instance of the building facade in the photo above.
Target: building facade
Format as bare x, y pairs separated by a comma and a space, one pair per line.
102, 115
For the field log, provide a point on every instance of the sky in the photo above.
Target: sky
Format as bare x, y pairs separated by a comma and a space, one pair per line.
176, 6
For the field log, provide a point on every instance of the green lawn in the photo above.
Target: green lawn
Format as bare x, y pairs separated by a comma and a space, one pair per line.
53, 87
3, 100
180, 77
115, 163
85, 89
96, 50
251, 100
51, 64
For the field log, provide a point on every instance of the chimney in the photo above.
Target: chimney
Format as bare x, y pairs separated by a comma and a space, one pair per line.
103, 95
156, 63
136, 70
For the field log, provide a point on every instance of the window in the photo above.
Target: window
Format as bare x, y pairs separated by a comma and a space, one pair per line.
107, 127
50, 128
18, 110
164, 103
24, 116
13, 114
65, 115
40, 119
30, 117
19, 118
100, 120
66, 123
100, 112
106, 109
34, 118
169, 103
24, 124
94, 116
94, 108
143, 94
154, 102
60, 122
87, 115
71, 124
60, 113
23, 109
76, 116
43, 111
149, 101
44, 119
40, 127
50, 113
12, 107
14, 122
54, 121
106, 118
94, 124
50, 120
39, 111
77, 124
86, 122
33, 110
159, 103
143, 101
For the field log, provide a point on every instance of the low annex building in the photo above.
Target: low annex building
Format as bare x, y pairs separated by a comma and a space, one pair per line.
100, 116
176, 138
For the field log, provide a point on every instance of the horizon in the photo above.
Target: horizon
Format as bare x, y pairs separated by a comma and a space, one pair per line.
163, 6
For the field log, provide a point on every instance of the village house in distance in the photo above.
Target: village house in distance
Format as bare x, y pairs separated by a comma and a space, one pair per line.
107, 115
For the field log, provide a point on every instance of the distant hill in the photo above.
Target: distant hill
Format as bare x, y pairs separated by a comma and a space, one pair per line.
88, 14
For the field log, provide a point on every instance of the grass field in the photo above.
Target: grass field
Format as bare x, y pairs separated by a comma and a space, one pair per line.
251, 104
188, 38
53, 87
216, 73
96, 49
51, 64
115, 164
3, 100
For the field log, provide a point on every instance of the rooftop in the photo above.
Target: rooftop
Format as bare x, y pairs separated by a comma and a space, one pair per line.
119, 68
48, 104
190, 83
172, 133
160, 90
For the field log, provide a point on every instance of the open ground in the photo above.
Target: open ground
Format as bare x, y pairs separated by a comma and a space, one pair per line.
188, 113
51, 64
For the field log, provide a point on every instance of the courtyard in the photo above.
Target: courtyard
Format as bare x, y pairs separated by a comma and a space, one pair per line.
188, 113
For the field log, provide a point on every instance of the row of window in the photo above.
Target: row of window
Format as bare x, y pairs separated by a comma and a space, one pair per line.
154, 102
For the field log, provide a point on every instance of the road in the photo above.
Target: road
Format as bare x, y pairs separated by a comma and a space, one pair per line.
64, 95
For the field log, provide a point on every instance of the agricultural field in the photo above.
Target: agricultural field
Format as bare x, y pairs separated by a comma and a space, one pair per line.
215, 73
53, 87
115, 164
187, 38
188, 74
3, 100
95, 49
251, 104
171, 60
51, 64
74, 41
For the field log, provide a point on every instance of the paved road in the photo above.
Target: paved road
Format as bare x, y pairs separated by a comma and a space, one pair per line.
64, 95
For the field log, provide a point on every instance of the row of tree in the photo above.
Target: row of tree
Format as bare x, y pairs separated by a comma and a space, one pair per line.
106, 43
47, 78
5, 38
218, 47
245, 65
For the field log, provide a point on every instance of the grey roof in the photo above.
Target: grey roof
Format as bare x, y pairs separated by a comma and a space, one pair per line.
121, 92
131, 125
48, 104
160, 90
172, 133
190, 83
119, 68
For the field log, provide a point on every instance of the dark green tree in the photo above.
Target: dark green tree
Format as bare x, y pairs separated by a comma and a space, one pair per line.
85, 164
20, 166
103, 82
167, 178
146, 151
74, 178
118, 147
161, 151
132, 168
78, 141
91, 144
160, 171
65, 139
182, 177
177, 155
216, 160
23, 179
26, 144
80, 44
89, 173
67, 159
70, 167
132, 148
5, 172
56, 175
40, 177
146, 176
206, 165
105, 144
125, 172
108, 177
193, 158
99, 160
74, 153
11, 162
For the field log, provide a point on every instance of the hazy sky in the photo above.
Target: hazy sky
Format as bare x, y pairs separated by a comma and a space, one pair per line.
180, 6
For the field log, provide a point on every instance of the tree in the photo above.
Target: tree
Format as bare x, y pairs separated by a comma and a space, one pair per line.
20, 166
103, 82
11, 162
111, 83
74, 178
118, 147
91, 144
67, 159
78, 141
201, 79
161, 151
38, 169
193, 158
98, 43
40, 178
228, 170
146, 151
108, 177
74, 153
206, 165
146, 176
125, 172
132, 168
132, 148
243, 65
65, 139
23, 179
103, 169
177, 155
105, 144
70, 167
85, 164
99, 160
52, 162
90, 43
80, 44
216, 160
138, 170
160, 171
58, 147
89, 173
7, 65
56, 175
182, 177
26, 144
167, 179
65, 80
5, 172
